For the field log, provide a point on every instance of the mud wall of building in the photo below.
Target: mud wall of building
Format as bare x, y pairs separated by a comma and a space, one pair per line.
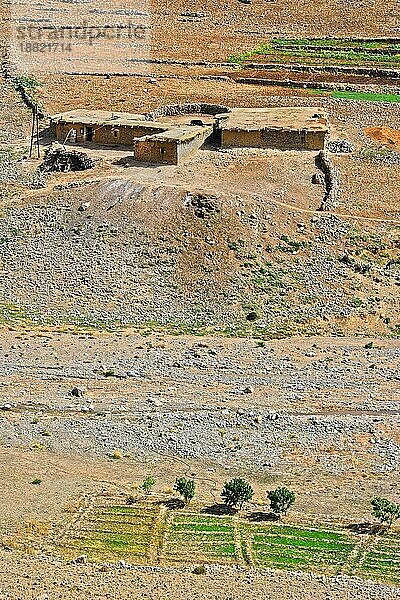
109, 135
273, 138
315, 140
156, 151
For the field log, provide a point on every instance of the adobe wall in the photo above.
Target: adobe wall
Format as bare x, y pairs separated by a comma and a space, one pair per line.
156, 151
273, 138
104, 134
172, 151
315, 140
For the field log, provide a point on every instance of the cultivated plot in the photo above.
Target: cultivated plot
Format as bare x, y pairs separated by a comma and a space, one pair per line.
150, 532
112, 532
382, 559
290, 547
200, 538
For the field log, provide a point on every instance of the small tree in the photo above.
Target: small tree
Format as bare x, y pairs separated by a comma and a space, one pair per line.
385, 511
281, 500
148, 483
236, 492
185, 487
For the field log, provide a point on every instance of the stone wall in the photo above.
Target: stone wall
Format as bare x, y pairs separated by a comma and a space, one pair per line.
171, 110
331, 175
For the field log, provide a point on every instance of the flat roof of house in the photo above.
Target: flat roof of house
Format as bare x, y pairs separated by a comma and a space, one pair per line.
180, 134
287, 118
105, 117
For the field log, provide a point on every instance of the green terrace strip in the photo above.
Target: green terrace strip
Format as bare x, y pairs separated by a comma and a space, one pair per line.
148, 532
338, 43
281, 546
382, 560
350, 52
360, 96
366, 96
203, 538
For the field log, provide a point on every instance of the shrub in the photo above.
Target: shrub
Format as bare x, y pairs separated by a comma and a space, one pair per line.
148, 483
36, 481
281, 500
200, 570
385, 511
185, 487
236, 492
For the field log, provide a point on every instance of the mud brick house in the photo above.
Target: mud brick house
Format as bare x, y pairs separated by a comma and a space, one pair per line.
173, 146
173, 139
151, 141
289, 128
102, 127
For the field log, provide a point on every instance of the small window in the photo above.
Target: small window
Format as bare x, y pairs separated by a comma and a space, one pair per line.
81, 131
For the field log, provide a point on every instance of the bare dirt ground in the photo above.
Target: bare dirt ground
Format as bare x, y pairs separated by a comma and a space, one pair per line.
34, 579
212, 31
318, 408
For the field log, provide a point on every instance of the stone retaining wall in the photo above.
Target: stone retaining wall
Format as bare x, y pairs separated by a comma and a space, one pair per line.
331, 174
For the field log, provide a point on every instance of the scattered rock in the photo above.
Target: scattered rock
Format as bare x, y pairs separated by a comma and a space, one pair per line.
78, 392
340, 146
318, 179
248, 390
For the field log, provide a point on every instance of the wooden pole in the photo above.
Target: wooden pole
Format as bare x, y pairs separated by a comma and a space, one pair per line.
32, 132
37, 132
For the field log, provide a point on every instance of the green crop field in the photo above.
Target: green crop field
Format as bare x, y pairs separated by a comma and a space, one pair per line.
149, 532
299, 548
382, 560
367, 96
326, 51
200, 538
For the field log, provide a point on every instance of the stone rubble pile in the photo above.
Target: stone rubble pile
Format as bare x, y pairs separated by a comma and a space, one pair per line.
340, 146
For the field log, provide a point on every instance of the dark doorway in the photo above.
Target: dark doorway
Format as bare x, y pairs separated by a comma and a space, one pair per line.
216, 138
89, 134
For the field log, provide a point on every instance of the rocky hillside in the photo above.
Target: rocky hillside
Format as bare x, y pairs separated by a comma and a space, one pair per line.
118, 252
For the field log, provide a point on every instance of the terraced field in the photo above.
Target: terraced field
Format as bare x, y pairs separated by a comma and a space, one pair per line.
200, 538
382, 560
150, 532
297, 548
326, 51
110, 532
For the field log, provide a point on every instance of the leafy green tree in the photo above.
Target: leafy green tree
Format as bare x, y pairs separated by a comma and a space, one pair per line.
185, 487
236, 492
385, 511
148, 483
281, 499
